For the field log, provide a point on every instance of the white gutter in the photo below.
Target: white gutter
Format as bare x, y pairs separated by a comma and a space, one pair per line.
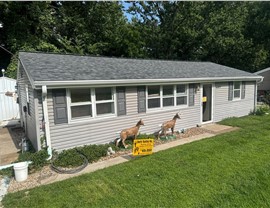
255, 92
55, 84
46, 120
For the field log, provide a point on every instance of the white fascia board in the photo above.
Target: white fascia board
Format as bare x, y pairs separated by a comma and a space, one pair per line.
29, 77
262, 71
135, 82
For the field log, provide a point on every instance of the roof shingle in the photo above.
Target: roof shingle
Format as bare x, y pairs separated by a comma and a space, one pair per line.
61, 67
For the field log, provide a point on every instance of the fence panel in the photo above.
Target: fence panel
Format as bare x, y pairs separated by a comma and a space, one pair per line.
9, 109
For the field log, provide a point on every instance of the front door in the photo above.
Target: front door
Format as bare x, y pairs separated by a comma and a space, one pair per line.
207, 103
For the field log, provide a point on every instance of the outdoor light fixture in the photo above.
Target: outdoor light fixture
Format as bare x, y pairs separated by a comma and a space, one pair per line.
3, 72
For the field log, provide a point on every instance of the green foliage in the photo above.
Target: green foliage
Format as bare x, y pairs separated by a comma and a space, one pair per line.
93, 152
38, 158
146, 136
228, 170
72, 158
230, 33
7, 172
262, 110
68, 158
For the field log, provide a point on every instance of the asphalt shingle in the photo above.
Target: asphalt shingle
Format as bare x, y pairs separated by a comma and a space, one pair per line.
62, 67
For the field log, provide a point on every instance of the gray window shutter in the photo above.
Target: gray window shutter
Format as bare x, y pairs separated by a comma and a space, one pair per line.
230, 94
243, 90
59, 106
141, 99
191, 96
121, 101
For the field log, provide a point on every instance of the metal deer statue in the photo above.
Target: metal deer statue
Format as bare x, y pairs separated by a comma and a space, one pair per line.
133, 131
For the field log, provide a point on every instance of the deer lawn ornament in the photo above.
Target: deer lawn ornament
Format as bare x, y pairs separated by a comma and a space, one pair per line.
169, 124
133, 131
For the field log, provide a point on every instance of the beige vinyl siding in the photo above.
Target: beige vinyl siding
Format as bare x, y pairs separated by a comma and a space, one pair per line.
29, 121
265, 85
99, 131
236, 108
40, 112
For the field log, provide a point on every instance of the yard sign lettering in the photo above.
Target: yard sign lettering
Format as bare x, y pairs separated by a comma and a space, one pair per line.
143, 146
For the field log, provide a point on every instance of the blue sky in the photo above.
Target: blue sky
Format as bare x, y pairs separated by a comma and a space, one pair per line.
126, 6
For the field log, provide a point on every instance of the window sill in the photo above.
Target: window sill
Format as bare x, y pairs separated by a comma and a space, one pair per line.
164, 109
91, 119
237, 99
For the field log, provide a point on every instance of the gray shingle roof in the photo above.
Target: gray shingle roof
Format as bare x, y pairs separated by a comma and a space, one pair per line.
262, 71
59, 67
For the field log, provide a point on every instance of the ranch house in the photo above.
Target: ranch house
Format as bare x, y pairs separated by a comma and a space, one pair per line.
74, 100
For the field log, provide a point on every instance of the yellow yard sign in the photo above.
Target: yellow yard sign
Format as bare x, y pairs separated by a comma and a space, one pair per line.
143, 146
204, 99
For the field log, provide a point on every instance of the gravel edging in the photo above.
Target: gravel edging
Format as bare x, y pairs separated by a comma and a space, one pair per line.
46, 175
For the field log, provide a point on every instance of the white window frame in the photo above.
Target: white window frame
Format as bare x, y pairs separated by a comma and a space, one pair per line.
185, 94
240, 90
113, 100
175, 95
154, 97
80, 104
93, 103
27, 99
168, 96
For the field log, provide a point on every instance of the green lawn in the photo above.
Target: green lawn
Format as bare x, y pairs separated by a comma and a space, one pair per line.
229, 170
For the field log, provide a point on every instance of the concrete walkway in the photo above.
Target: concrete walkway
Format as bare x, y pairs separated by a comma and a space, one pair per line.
121, 159
214, 128
47, 176
8, 147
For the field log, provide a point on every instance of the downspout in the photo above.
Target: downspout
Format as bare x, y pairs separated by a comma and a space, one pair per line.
46, 120
255, 92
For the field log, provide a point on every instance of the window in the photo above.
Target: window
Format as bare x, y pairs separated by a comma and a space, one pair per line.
86, 102
104, 101
154, 96
81, 104
166, 96
181, 94
236, 90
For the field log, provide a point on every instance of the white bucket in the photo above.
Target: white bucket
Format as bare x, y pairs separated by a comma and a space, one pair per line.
21, 171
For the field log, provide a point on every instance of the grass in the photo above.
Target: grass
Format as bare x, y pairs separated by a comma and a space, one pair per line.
229, 170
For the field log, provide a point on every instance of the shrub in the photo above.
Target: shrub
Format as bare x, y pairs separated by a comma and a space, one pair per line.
94, 152
7, 172
261, 110
68, 158
38, 158
146, 136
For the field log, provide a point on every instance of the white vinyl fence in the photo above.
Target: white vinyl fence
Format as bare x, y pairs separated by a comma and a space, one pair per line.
9, 109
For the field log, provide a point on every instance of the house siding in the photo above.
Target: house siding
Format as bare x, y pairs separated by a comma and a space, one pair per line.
265, 85
28, 121
99, 131
223, 108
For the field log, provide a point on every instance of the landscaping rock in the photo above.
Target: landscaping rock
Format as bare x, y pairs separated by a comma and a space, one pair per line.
46, 175
4, 187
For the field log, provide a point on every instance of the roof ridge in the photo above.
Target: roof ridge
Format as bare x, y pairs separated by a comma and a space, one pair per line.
115, 57
262, 71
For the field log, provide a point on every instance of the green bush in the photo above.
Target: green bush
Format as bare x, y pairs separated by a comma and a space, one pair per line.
261, 110
94, 152
146, 136
38, 158
7, 172
68, 158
